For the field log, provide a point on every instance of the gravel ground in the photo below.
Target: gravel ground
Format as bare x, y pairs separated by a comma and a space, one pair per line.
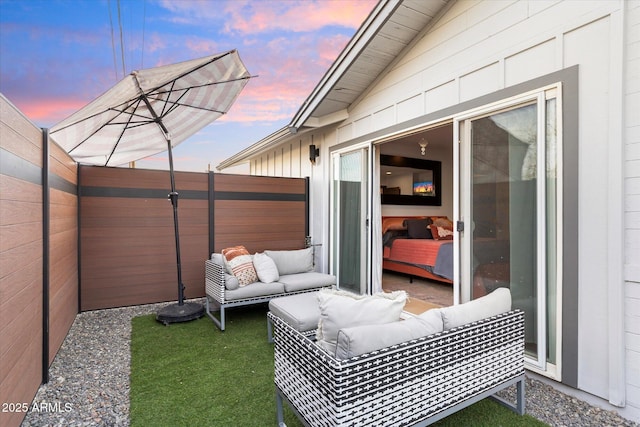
89, 381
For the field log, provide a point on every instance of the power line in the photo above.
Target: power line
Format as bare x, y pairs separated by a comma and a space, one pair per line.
144, 21
124, 73
113, 45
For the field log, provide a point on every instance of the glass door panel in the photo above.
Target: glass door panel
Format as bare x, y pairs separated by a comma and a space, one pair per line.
509, 199
349, 224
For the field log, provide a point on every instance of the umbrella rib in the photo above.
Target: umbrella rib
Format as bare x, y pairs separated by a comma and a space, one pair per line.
95, 131
120, 137
128, 104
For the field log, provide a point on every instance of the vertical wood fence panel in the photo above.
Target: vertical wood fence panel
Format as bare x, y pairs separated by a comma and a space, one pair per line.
38, 256
127, 239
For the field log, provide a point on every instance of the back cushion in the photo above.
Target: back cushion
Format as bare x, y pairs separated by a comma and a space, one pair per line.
497, 302
292, 262
340, 309
358, 340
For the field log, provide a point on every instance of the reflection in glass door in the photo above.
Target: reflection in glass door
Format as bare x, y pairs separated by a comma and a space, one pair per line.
349, 219
509, 205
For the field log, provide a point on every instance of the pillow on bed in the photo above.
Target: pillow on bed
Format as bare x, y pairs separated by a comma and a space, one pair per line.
443, 221
441, 233
418, 228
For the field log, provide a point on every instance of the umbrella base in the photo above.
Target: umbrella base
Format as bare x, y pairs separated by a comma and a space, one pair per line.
175, 313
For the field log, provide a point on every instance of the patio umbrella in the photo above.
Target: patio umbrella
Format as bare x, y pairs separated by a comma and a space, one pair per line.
148, 112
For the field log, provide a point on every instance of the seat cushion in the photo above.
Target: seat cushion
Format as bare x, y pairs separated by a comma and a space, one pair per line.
300, 311
309, 280
254, 290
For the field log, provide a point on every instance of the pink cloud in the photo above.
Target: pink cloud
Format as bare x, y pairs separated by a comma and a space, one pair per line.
306, 16
49, 111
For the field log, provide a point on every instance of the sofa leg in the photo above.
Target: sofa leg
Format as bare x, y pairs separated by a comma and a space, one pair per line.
519, 406
279, 409
220, 323
269, 331
520, 393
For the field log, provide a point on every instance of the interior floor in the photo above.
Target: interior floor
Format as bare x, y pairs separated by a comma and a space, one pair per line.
419, 290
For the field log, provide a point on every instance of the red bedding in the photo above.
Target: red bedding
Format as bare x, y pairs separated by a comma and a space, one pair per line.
414, 251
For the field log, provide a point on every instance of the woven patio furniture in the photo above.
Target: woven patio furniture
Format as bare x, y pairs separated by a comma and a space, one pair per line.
417, 382
219, 298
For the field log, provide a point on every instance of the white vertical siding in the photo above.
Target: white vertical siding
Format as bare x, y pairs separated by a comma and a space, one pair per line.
632, 200
479, 47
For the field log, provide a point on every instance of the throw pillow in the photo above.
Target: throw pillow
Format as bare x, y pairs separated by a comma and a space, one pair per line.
239, 261
441, 233
443, 222
498, 301
292, 262
419, 228
340, 309
265, 268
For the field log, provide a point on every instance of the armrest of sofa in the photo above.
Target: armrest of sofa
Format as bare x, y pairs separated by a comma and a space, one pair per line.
214, 280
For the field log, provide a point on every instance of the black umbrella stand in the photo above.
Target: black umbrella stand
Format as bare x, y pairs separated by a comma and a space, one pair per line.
180, 311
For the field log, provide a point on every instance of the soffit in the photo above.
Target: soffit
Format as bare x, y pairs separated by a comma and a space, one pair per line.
405, 23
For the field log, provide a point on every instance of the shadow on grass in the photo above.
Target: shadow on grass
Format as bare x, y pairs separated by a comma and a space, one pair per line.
192, 374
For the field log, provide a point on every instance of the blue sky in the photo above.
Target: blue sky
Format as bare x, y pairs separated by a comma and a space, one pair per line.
58, 55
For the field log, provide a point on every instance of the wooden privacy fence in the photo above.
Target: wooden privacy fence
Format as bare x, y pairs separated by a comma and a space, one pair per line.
76, 238
38, 256
127, 241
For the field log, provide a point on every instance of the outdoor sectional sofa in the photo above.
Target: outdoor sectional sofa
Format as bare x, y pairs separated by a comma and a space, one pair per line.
294, 275
414, 381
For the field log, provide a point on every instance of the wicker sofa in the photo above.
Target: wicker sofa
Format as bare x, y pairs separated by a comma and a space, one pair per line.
295, 276
416, 382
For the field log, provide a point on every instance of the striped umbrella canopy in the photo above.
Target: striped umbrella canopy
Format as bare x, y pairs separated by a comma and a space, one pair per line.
152, 110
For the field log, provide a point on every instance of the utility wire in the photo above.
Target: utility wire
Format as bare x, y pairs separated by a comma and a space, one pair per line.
113, 43
144, 21
124, 73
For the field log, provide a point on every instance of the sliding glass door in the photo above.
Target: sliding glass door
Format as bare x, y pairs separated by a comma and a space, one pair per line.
509, 205
349, 213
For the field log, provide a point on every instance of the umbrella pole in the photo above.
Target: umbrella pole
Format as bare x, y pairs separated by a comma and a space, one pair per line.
179, 312
173, 196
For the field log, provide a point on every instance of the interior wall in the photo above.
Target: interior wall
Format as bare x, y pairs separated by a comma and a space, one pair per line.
441, 151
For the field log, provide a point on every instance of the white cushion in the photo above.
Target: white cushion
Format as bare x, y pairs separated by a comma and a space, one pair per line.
340, 309
358, 340
308, 280
265, 268
498, 301
292, 262
231, 282
299, 310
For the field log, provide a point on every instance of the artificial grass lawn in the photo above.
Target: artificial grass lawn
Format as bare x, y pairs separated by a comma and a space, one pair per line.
191, 374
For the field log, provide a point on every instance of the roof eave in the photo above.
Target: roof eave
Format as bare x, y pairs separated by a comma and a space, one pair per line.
378, 16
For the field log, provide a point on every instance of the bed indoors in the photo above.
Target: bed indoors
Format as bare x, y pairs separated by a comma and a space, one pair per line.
418, 246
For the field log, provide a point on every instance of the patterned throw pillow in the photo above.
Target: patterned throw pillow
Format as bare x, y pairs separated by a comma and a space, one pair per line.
240, 263
441, 233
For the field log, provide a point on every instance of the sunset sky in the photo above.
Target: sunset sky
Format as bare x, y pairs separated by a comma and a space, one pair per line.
58, 55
